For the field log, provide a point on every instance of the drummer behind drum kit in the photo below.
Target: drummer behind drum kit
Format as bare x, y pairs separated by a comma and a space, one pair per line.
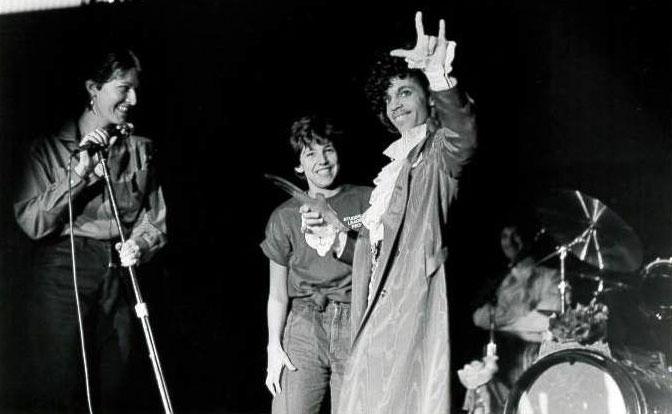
575, 378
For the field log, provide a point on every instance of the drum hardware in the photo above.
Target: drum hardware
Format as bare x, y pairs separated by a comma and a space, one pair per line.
561, 251
583, 380
605, 241
590, 231
656, 289
569, 377
491, 347
604, 283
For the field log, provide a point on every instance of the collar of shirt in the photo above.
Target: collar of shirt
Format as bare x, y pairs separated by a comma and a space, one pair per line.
69, 132
400, 148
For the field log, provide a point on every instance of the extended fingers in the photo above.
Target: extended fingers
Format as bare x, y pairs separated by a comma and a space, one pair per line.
275, 381
438, 40
270, 384
442, 30
419, 29
402, 53
422, 40
425, 45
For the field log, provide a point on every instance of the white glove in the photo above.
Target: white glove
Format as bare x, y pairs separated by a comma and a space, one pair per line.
477, 373
129, 253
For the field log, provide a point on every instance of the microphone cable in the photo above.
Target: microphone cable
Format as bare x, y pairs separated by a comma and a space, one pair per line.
125, 129
73, 258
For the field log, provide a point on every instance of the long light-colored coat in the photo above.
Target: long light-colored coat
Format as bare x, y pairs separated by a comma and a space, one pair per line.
400, 360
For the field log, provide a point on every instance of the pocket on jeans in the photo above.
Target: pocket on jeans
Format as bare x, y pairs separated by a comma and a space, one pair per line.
57, 255
287, 331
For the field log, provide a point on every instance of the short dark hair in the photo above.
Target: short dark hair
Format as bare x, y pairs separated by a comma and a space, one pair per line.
103, 67
523, 218
313, 129
525, 230
384, 69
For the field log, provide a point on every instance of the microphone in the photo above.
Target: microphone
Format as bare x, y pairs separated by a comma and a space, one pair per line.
123, 130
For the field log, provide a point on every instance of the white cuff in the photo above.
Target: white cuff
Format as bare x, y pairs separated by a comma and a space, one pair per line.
322, 239
439, 81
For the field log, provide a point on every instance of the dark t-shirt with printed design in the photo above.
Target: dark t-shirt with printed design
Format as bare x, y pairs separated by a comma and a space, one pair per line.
308, 272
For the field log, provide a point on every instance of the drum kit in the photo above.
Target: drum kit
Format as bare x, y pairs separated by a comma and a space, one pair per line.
579, 378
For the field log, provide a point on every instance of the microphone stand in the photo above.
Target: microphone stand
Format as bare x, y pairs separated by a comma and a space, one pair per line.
141, 310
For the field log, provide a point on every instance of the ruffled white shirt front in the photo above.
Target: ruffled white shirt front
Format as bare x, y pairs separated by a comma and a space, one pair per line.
387, 177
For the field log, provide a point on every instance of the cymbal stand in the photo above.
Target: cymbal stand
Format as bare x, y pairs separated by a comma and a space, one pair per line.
140, 307
598, 291
561, 251
491, 347
563, 285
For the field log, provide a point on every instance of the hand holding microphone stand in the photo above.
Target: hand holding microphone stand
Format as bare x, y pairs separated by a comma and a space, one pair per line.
141, 310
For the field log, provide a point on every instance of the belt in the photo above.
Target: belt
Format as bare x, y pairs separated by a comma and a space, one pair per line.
318, 300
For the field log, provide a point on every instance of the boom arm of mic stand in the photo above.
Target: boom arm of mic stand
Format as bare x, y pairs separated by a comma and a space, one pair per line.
140, 307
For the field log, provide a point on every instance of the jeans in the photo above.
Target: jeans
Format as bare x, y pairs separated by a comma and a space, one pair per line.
54, 342
317, 342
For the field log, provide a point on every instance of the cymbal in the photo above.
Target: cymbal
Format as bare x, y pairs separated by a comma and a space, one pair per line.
590, 230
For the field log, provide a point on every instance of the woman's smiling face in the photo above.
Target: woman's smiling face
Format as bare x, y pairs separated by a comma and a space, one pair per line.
113, 100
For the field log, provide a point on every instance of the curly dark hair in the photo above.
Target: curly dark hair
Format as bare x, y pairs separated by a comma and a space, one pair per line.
384, 69
313, 129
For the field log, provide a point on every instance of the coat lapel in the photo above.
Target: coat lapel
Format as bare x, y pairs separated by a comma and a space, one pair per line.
391, 233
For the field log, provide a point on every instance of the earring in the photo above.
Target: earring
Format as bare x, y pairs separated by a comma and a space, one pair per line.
91, 105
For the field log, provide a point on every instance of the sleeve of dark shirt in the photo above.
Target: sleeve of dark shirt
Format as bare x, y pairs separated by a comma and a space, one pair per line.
277, 245
41, 204
149, 231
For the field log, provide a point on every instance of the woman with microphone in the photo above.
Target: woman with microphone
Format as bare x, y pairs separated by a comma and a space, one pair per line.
63, 166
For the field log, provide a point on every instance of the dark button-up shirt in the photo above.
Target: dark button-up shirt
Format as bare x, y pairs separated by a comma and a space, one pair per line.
41, 206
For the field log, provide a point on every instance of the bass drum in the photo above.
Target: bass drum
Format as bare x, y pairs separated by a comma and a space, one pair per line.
583, 381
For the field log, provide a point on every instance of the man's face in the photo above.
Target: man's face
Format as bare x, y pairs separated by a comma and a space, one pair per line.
406, 104
320, 165
512, 243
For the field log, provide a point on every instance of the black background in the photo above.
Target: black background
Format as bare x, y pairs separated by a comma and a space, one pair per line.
572, 94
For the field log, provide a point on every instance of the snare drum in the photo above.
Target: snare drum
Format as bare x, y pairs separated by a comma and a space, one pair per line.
583, 380
656, 289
